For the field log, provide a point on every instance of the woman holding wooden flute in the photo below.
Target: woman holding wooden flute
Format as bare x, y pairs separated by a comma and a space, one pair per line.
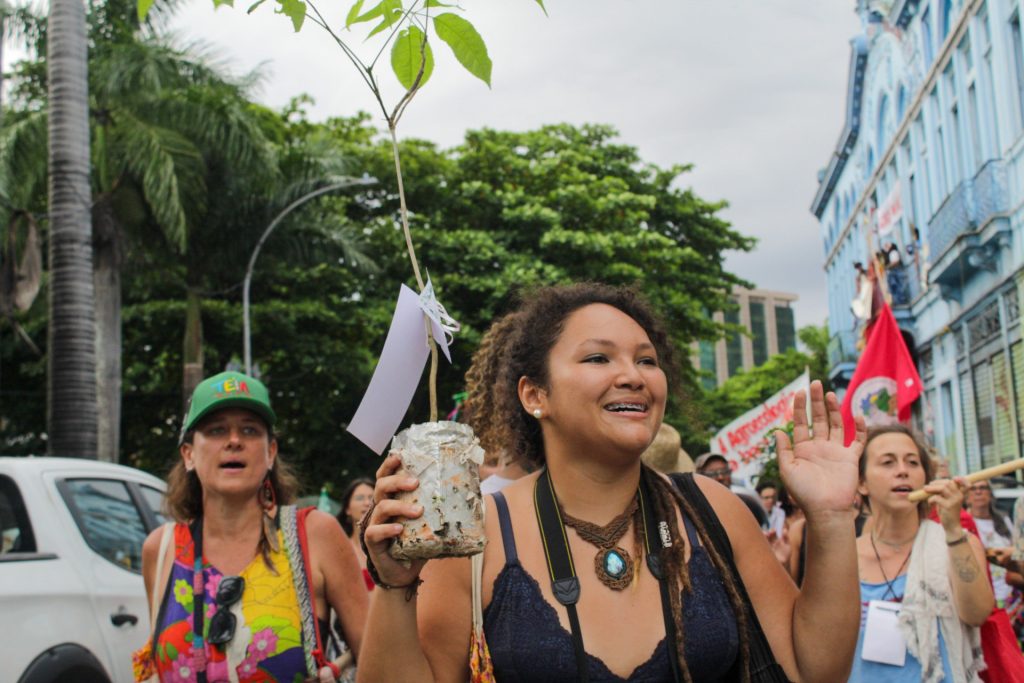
924, 590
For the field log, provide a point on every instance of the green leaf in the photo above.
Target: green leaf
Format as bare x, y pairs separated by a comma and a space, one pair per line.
369, 15
543, 8
409, 52
437, 3
389, 12
353, 12
218, 3
392, 13
253, 6
143, 7
294, 9
466, 43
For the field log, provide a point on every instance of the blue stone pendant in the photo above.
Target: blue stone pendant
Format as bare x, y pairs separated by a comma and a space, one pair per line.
614, 567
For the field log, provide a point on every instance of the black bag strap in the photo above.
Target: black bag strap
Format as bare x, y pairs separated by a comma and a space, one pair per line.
564, 583
566, 586
763, 667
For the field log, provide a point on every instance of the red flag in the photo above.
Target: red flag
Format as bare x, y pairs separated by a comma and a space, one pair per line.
885, 383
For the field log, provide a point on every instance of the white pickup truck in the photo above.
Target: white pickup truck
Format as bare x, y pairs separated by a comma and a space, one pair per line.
72, 601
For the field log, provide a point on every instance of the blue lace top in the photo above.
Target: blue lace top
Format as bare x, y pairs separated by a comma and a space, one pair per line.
529, 645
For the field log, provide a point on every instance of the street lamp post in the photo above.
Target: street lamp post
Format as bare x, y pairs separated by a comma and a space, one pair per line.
246, 341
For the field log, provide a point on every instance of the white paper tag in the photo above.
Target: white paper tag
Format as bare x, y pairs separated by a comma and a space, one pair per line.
883, 640
395, 378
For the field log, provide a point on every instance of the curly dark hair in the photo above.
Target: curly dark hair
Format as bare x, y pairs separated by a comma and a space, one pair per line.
482, 381
539, 324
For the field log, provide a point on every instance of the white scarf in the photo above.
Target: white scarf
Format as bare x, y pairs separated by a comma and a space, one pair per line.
929, 596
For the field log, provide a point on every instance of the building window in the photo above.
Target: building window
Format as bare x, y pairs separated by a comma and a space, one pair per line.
734, 344
915, 201
954, 172
947, 17
983, 400
785, 326
758, 332
941, 168
926, 38
975, 124
882, 134
921, 142
708, 364
948, 420
988, 84
1017, 48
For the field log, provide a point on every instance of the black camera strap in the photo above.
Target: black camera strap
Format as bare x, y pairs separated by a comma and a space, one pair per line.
565, 585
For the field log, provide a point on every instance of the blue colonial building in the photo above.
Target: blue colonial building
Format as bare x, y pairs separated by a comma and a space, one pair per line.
929, 168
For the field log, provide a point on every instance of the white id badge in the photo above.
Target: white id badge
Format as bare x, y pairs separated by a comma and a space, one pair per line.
883, 641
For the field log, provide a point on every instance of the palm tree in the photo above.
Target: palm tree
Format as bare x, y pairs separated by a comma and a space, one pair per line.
162, 118
159, 115
71, 345
181, 164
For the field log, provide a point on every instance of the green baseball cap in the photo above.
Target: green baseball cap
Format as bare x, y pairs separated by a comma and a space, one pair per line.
228, 390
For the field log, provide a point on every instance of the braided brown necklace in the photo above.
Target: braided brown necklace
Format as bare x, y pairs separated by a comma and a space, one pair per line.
613, 563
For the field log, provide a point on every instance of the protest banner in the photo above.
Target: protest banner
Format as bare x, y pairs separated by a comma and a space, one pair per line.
744, 441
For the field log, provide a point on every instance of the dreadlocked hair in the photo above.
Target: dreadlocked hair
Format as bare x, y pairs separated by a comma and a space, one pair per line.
482, 379
666, 499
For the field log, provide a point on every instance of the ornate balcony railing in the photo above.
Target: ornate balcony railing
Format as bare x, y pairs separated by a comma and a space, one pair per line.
970, 206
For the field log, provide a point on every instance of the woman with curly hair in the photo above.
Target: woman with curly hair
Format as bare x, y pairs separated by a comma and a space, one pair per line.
597, 567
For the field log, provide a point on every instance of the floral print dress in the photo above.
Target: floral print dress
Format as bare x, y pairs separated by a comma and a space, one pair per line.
267, 645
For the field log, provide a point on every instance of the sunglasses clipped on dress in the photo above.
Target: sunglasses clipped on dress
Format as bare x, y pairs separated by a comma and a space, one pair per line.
223, 622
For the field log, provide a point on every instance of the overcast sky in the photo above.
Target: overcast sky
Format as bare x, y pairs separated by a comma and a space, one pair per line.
751, 92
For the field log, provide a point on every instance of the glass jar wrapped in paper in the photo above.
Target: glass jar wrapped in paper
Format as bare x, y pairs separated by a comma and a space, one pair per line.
444, 457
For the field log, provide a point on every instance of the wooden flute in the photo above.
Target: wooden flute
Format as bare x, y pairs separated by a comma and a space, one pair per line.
981, 475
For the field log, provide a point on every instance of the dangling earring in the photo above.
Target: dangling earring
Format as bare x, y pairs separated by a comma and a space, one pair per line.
268, 501
268, 497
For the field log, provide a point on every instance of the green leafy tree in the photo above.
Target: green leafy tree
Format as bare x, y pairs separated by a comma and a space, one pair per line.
405, 27
160, 119
502, 212
505, 211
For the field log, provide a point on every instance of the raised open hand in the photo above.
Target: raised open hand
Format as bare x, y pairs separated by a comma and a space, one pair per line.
817, 469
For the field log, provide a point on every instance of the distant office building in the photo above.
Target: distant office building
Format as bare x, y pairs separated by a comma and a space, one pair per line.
767, 317
929, 167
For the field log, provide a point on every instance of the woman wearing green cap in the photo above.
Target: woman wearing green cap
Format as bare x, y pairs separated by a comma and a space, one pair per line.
228, 606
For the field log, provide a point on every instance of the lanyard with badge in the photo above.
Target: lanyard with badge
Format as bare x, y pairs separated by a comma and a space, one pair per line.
883, 641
